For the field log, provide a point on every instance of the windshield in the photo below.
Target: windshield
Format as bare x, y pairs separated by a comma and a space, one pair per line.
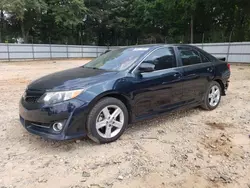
117, 60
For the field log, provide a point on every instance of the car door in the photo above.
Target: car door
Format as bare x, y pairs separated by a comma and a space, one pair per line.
160, 90
198, 72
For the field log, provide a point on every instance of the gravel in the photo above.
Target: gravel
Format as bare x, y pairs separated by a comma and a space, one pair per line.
192, 148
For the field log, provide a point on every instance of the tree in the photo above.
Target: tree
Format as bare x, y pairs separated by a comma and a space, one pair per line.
27, 13
62, 22
2, 18
124, 22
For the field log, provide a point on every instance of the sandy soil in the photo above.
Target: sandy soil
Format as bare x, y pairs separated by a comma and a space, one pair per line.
186, 149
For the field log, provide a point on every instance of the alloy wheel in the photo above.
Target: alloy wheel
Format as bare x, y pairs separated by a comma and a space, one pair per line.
214, 95
110, 121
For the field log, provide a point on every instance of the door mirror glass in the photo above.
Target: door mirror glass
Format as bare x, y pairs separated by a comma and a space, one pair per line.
146, 67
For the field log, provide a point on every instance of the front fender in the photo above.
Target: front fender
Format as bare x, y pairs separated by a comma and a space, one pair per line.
109, 88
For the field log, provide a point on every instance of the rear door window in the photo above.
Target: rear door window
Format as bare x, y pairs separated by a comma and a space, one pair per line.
189, 56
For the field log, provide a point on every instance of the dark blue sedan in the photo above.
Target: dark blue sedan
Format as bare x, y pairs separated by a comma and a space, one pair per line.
133, 83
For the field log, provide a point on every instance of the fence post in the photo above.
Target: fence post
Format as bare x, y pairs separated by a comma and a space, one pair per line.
82, 50
67, 48
33, 54
96, 51
8, 50
50, 52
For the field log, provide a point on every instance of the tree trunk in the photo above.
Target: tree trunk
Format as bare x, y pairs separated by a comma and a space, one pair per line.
241, 30
24, 34
192, 30
1, 25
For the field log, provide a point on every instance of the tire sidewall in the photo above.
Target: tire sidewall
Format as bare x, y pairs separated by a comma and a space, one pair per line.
91, 123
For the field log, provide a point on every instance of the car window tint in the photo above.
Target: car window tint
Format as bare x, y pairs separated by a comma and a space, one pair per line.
163, 58
189, 56
208, 56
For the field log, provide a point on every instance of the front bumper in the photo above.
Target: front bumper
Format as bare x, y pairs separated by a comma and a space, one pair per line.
38, 119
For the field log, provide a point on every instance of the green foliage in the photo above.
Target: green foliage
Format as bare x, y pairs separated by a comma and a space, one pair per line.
67, 12
124, 22
20, 7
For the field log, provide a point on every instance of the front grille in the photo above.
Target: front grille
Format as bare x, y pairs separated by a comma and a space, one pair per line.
31, 99
32, 96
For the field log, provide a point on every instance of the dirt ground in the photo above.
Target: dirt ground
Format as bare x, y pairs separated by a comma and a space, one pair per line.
186, 149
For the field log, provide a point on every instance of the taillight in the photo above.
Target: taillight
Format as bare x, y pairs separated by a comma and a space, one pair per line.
228, 66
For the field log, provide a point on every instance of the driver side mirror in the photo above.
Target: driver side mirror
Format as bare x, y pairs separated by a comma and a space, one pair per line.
146, 67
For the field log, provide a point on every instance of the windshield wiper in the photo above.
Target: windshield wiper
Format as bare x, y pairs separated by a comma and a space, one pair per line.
93, 68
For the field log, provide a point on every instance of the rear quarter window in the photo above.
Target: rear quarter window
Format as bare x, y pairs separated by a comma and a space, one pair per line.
208, 56
204, 59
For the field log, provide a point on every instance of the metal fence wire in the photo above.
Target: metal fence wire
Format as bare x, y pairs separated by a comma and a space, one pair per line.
48, 51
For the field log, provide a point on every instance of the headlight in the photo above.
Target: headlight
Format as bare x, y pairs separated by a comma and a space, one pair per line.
55, 97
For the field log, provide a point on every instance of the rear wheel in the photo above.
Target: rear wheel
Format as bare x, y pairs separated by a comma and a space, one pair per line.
212, 96
107, 120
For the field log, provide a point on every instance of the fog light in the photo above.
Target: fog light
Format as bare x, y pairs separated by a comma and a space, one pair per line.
58, 126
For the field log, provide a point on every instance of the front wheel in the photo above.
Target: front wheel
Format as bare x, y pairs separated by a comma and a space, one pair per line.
212, 96
107, 120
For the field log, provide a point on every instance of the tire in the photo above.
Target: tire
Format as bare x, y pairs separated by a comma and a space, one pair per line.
207, 104
103, 123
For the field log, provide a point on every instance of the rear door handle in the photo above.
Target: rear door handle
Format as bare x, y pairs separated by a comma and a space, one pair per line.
209, 69
191, 76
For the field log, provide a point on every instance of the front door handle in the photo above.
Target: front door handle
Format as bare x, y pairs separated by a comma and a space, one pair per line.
177, 75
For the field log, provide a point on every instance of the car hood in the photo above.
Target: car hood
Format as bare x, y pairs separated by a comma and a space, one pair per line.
75, 78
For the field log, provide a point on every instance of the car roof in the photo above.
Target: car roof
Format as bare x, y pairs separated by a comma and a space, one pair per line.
153, 46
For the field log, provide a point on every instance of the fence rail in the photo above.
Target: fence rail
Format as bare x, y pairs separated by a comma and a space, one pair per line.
46, 51
234, 52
